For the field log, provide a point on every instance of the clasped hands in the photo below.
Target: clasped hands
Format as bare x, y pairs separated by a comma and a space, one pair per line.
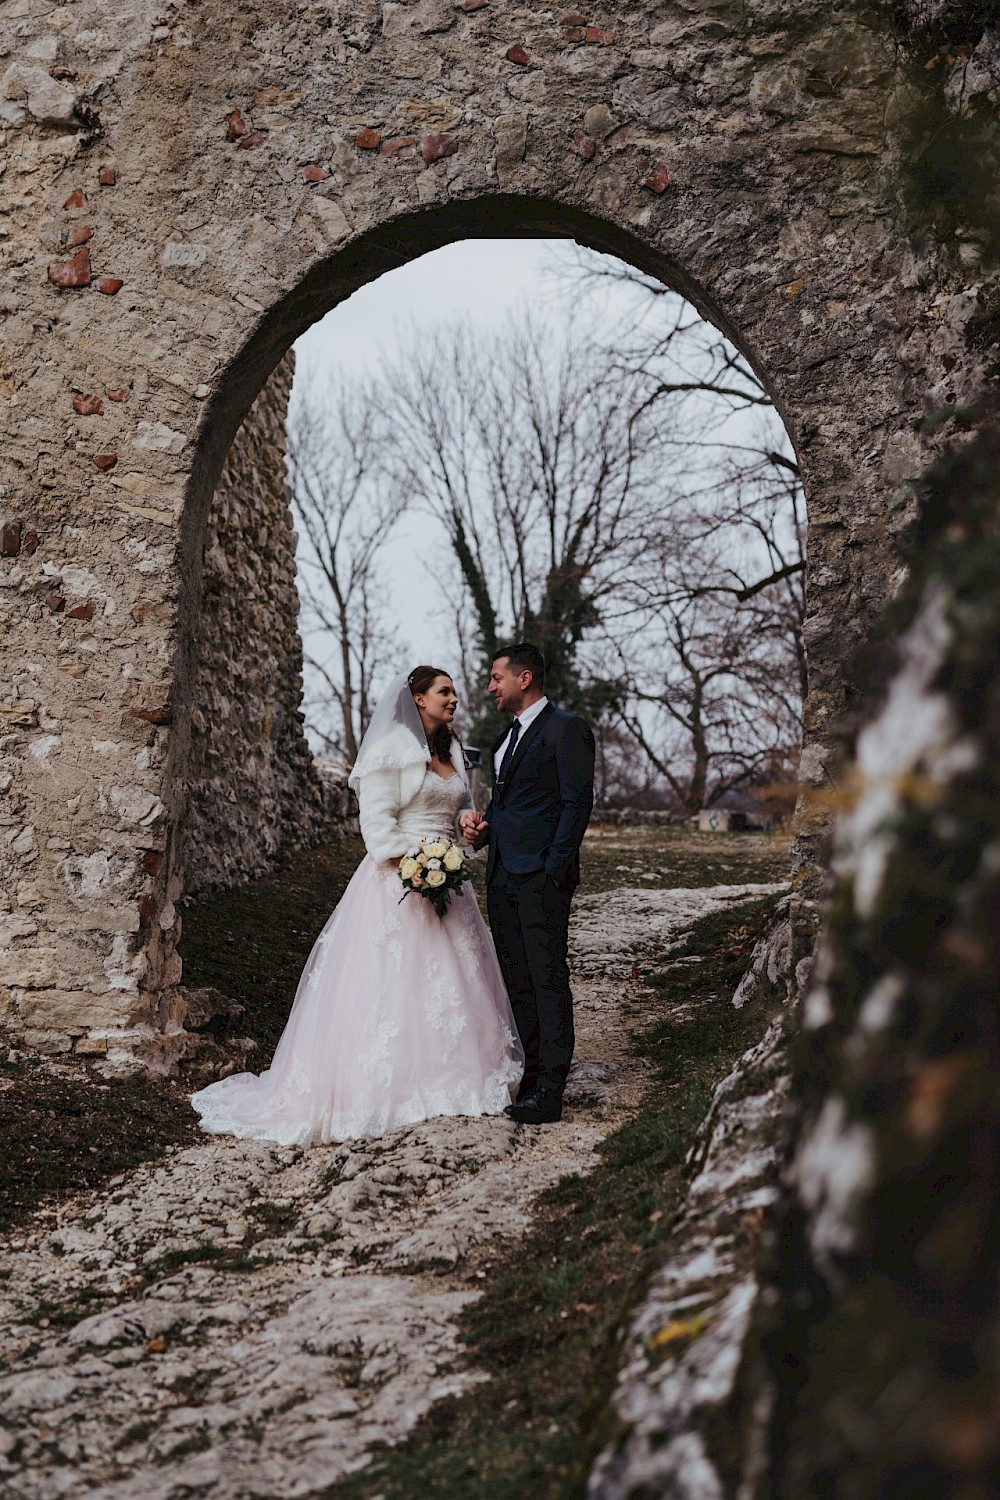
475, 829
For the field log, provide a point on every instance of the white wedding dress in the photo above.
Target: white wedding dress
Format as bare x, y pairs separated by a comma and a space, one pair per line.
400, 1015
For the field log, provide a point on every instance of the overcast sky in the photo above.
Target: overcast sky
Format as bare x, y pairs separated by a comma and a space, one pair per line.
485, 280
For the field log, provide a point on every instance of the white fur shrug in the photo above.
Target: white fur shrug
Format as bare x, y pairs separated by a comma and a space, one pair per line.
384, 792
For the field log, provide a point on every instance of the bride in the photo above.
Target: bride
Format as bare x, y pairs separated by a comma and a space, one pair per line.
399, 1014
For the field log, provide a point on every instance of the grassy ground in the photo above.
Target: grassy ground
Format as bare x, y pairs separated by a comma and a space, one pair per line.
66, 1129
664, 858
252, 942
549, 1324
548, 1327
63, 1132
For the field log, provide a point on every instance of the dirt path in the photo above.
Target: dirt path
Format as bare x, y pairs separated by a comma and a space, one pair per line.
242, 1321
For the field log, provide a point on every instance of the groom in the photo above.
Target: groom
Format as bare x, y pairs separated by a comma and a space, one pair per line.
543, 791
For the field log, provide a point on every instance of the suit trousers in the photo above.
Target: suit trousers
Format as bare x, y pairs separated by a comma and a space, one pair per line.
529, 918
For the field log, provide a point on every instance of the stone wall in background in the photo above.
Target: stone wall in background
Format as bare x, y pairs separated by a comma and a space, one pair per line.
252, 789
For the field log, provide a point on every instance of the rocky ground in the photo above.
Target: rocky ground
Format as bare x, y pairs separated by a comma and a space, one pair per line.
238, 1321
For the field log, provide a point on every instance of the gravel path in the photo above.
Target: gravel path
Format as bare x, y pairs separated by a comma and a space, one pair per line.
245, 1321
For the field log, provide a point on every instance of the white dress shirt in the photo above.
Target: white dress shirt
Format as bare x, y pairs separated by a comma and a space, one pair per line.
525, 717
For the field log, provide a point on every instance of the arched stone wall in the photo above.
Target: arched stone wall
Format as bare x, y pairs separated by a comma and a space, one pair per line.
185, 188
239, 173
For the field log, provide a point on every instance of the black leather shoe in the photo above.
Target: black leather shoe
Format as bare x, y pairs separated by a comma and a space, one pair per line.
527, 1086
540, 1107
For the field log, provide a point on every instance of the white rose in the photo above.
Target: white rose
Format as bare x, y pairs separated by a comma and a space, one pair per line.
436, 877
454, 859
433, 864
434, 851
408, 867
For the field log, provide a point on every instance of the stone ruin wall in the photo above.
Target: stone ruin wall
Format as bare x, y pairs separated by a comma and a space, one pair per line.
188, 190
252, 790
250, 787
205, 183
750, 156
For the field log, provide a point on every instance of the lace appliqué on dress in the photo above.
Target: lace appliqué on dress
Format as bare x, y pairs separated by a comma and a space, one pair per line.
379, 1032
467, 936
442, 1005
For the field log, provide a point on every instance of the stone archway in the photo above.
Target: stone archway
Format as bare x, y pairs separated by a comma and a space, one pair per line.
199, 199
188, 345
241, 784
245, 785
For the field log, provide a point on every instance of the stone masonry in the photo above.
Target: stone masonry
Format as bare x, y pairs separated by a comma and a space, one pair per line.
187, 188
251, 786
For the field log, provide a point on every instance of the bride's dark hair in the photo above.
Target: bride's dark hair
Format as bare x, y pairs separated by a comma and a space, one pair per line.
420, 680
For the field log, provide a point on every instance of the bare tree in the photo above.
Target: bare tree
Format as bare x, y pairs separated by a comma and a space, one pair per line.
714, 670
706, 701
762, 500
709, 638
629, 501
346, 514
662, 337
528, 452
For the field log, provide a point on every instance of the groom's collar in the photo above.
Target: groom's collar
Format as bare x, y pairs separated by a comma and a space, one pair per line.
528, 715
527, 718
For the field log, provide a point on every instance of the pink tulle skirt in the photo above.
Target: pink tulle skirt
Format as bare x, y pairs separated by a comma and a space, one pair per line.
400, 1015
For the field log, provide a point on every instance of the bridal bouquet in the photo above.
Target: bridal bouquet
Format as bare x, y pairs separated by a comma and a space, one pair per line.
434, 869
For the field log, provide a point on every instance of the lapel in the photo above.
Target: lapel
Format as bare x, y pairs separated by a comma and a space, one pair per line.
526, 737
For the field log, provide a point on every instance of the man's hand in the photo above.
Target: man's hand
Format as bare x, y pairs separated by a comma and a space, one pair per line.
475, 829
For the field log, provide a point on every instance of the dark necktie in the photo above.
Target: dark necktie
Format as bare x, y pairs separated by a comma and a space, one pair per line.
508, 755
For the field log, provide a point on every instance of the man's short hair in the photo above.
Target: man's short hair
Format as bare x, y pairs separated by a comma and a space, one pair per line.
524, 657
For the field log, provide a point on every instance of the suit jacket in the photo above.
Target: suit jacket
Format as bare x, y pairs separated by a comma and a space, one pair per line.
539, 816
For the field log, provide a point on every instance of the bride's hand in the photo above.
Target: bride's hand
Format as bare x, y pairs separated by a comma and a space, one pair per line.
470, 823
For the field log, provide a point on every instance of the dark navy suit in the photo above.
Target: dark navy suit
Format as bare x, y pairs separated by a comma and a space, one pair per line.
537, 818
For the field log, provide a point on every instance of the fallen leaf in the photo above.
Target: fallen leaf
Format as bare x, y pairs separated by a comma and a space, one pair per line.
680, 1330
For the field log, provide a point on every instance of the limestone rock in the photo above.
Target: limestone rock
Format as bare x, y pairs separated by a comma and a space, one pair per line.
43, 98
309, 1299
